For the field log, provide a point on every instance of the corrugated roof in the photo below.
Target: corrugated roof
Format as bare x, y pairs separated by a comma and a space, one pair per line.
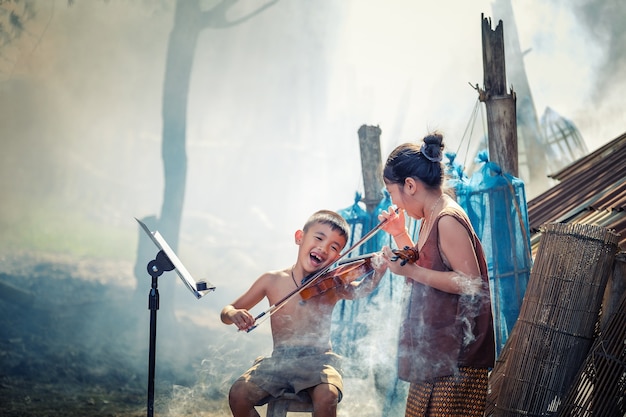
591, 190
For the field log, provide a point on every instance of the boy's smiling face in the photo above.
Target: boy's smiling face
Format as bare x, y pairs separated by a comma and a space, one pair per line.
320, 246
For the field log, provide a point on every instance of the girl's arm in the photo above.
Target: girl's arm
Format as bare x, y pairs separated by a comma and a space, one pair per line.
457, 250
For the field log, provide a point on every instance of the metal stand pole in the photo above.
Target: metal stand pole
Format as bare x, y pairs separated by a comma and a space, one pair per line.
156, 267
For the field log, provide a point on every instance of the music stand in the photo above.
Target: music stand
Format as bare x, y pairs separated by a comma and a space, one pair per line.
165, 260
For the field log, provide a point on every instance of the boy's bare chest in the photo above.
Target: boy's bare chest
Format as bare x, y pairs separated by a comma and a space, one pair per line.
298, 309
300, 321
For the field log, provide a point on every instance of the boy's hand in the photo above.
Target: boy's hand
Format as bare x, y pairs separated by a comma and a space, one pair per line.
240, 317
379, 264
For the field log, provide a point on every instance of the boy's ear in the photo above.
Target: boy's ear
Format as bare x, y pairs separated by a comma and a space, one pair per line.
298, 236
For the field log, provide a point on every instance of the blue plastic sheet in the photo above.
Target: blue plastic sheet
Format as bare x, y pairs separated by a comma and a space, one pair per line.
496, 205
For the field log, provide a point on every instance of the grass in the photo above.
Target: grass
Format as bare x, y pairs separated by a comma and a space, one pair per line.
71, 232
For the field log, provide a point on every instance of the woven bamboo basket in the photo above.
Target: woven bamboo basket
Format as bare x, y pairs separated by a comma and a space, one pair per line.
599, 390
557, 321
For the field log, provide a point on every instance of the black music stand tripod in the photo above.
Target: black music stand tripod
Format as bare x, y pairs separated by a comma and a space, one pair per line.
165, 260
156, 267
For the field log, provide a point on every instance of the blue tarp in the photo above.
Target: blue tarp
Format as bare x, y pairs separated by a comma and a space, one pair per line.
496, 205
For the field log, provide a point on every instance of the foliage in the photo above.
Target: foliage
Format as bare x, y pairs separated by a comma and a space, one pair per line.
63, 231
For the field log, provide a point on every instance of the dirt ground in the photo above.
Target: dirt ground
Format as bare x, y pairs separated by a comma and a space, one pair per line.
56, 361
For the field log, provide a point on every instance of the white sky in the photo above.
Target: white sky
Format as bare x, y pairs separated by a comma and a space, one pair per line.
274, 107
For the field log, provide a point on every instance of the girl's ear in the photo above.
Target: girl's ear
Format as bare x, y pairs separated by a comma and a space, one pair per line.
298, 237
410, 184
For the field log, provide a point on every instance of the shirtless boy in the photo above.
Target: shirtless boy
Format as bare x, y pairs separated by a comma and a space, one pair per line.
302, 360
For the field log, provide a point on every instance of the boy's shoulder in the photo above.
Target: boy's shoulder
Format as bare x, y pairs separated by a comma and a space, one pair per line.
273, 275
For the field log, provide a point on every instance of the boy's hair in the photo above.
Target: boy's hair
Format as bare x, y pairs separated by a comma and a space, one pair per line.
331, 218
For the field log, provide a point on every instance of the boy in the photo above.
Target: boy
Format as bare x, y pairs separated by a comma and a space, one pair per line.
302, 360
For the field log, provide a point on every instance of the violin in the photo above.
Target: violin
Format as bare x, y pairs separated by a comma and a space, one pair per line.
341, 276
315, 279
353, 269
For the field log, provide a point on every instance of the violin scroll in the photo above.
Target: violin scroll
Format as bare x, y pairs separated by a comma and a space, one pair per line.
408, 255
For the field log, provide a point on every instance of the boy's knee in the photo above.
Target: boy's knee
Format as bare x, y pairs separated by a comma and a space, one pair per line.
238, 391
244, 392
325, 395
235, 390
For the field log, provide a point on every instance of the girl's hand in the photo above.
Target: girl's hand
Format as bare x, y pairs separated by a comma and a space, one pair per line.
395, 223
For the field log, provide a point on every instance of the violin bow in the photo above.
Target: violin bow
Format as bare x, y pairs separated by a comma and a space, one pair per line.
310, 280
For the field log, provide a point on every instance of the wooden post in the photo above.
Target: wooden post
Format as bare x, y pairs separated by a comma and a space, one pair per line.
529, 134
615, 289
371, 165
501, 112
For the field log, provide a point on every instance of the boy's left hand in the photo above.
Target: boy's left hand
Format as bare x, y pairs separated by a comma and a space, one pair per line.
379, 264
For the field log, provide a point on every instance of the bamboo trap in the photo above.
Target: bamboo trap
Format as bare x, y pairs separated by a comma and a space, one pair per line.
557, 321
599, 388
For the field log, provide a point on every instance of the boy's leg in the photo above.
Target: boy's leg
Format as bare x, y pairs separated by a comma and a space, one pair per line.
325, 398
243, 396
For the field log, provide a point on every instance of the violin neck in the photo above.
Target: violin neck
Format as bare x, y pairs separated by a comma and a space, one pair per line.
308, 278
315, 275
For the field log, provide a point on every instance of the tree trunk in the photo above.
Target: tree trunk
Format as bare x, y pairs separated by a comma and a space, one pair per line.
180, 54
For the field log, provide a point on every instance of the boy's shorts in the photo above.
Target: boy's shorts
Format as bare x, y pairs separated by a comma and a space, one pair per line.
294, 369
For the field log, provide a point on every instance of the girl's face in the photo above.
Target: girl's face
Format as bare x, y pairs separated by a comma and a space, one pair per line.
407, 196
396, 192
320, 246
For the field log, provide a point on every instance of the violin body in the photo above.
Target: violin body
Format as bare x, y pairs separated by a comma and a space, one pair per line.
338, 277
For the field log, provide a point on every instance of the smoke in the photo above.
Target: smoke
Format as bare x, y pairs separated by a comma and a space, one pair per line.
575, 62
468, 285
603, 22
274, 109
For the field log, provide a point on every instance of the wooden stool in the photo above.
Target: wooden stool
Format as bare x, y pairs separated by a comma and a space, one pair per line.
279, 407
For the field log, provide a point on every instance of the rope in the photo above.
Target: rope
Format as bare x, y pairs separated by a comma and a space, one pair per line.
469, 127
